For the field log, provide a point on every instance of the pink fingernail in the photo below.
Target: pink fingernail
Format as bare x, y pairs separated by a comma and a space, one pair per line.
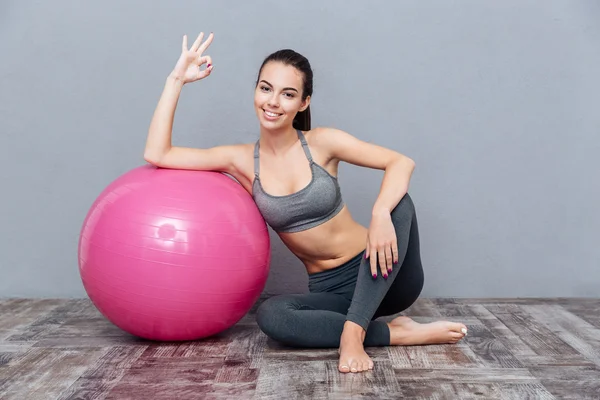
385, 276
208, 66
374, 276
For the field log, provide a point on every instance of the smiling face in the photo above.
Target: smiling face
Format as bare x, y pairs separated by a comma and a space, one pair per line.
278, 95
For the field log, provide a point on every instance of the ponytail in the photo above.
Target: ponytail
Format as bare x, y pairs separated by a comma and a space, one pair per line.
302, 120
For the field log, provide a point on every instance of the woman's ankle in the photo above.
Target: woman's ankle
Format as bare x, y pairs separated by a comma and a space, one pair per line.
353, 330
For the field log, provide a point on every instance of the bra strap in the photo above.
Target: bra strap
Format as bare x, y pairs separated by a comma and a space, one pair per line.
304, 145
256, 159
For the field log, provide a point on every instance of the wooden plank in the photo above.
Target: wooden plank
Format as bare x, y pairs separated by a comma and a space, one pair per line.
46, 373
399, 357
467, 320
578, 333
380, 383
450, 391
247, 344
170, 371
501, 331
207, 348
11, 352
53, 319
28, 307
467, 375
487, 391
532, 332
452, 308
89, 342
294, 380
229, 391
236, 372
277, 352
587, 311
515, 300
167, 378
570, 382
160, 391
18, 314
528, 391
422, 308
86, 326
489, 350
439, 356
100, 377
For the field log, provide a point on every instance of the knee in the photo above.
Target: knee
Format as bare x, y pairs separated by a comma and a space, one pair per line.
404, 209
265, 313
271, 315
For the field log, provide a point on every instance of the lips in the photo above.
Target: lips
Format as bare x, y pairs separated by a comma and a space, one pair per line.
271, 115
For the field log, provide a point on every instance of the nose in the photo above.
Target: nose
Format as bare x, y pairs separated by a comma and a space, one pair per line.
273, 101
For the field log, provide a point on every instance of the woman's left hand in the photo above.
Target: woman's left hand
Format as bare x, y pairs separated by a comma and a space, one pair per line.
382, 244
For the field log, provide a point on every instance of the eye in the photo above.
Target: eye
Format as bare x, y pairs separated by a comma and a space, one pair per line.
289, 95
264, 88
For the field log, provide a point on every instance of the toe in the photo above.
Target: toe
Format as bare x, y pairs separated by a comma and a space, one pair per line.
370, 364
354, 366
344, 368
456, 327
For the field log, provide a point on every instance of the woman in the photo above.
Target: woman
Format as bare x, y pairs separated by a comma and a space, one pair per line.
355, 274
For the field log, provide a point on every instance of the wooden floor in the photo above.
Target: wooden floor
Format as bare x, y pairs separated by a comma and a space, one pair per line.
516, 349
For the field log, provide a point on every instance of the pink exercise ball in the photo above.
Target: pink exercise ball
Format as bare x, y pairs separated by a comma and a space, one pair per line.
174, 255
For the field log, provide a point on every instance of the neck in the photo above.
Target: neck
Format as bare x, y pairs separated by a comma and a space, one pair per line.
277, 141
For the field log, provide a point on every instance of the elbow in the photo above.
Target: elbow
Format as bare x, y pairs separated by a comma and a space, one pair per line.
406, 162
151, 158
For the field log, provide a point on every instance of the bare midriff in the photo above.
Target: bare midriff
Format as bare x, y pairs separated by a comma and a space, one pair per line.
328, 245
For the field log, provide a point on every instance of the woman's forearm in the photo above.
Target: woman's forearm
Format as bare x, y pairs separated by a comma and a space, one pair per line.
161, 126
396, 180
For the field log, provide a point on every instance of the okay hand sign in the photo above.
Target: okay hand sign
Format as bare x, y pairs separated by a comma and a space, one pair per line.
188, 67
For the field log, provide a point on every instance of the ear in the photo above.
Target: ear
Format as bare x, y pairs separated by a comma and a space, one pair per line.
305, 104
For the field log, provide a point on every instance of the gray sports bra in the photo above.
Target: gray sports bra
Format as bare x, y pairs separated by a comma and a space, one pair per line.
312, 205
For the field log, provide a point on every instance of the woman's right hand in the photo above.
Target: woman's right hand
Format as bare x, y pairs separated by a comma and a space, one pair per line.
188, 66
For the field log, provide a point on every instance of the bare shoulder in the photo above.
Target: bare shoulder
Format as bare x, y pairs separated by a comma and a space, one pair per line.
319, 136
325, 139
336, 144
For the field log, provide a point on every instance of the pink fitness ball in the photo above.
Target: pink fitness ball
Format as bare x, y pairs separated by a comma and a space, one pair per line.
174, 255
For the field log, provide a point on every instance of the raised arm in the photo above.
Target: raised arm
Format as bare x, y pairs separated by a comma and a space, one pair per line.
159, 150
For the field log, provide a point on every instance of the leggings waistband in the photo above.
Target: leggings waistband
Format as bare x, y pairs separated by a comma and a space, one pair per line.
329, 280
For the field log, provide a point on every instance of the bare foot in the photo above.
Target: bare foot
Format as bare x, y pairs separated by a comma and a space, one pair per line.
405, 331
353, 357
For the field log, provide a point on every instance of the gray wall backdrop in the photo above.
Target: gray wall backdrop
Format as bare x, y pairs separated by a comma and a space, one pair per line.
497, 102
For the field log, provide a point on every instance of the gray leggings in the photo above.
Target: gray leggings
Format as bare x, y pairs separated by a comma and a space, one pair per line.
349, 292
